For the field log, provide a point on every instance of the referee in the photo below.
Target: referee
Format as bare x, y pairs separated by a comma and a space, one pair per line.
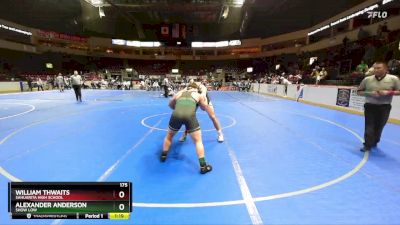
76, 81
378, 91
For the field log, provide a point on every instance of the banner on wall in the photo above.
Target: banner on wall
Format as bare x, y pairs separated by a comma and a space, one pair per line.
272, 89
343, 97
300, 92
56, 35
356, 101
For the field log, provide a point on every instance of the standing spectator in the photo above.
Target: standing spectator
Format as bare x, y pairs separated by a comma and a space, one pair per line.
286, 83
67, 82
76, 81
60, 82
49, 82
39, 84
165, 84
30, 83
378, 91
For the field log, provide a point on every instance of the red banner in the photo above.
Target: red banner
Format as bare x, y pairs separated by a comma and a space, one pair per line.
55, 35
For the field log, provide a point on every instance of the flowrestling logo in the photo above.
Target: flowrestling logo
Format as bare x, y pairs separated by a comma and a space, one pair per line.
377, 14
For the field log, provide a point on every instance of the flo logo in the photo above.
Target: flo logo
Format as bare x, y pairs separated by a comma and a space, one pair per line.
377, 14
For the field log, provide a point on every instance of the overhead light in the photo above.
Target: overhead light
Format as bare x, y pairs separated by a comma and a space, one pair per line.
95, 3
386, 2
235, 42
226, 12
238, 3
146, 44
197, 44
118, 42
101, 12
209, 44
15, 30
220, 44
133, 43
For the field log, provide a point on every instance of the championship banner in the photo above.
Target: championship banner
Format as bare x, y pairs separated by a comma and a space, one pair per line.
343, 97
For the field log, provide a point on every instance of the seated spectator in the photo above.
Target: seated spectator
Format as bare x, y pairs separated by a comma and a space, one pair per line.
394, 67
156, 86
323, 73
315, 75
362, 67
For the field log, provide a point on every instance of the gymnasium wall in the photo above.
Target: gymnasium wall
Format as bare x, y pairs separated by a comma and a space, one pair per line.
334, 97
9, 87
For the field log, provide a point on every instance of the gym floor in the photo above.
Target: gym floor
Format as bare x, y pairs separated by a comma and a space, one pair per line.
282, 162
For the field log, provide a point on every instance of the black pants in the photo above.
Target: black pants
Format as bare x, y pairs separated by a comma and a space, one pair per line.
166, 91
376, 117
78, 94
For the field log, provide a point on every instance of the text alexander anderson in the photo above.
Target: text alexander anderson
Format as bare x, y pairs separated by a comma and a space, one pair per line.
34, 206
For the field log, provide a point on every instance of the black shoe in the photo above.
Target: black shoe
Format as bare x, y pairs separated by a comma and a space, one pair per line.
205, 169
365, 149
163, 157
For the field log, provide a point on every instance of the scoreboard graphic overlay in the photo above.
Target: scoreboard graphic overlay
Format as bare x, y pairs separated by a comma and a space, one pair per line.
70, 200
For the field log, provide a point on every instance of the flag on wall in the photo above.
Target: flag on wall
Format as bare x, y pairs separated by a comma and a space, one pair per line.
175, 30
164, 30
183, 31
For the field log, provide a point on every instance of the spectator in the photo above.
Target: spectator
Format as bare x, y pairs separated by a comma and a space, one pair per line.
323, 73
39, 84
362, 67
60, 82
315, 75
394, 67
30, 83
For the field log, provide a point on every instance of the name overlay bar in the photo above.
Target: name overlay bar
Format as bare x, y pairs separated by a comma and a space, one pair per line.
70, 200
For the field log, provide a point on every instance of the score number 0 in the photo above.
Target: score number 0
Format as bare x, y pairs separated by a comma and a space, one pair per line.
121, 194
